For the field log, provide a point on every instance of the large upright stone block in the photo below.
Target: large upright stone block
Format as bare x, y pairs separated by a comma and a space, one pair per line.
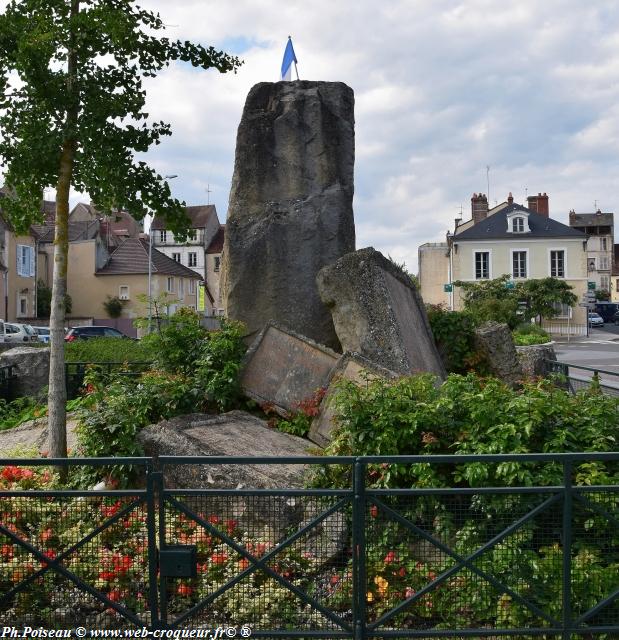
379, 313
290, 210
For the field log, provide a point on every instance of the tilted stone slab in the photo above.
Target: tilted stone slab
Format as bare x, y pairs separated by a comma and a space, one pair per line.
495, 341
378, 313
290, 210
283, 368
351, 367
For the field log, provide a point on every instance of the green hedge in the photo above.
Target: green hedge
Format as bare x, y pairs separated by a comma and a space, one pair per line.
108, 350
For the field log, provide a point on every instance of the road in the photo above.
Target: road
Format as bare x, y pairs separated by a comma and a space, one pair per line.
599, 350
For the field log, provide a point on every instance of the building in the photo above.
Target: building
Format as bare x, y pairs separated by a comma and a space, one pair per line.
97, 275
599, 228
523, 242
213, 269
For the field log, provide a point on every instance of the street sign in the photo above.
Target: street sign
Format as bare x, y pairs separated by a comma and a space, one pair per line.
448, 288
510, 285
591, 286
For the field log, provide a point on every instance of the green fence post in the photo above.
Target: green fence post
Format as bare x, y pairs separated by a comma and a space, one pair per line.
567, 550
358, 547
154, 484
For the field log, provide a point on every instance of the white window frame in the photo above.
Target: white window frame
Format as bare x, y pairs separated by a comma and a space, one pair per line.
526, 264
163, 235
121, 295
192, 256
516, 219
176, 257
181, 288
489, 252
550, 250
216, 263
603, 244
170, 284
192, 287
604, 263
25, 261
605, 278
591, 259
560, 315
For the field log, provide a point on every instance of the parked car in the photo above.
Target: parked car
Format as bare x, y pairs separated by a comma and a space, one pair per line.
595, 319
85, 333
43, 333
14, 332
607, 310
615, 318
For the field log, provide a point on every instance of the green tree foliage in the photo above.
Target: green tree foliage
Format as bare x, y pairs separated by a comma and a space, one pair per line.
44, 301
72, 116
490, 300
495, 300
544, 295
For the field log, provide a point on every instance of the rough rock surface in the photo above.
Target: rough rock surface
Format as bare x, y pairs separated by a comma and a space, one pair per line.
33, 435
282, 368
378, 313
31, 368
351, 367
494, 340
235, 433
290, 210
533, 358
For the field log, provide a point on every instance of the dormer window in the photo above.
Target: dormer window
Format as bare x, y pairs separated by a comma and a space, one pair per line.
518, 225
518, 222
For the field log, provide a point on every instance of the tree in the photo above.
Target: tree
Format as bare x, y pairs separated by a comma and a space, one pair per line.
72, 115
491, 300
544, 296
113, 306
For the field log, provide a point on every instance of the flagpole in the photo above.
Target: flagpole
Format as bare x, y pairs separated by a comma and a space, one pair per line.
296, 70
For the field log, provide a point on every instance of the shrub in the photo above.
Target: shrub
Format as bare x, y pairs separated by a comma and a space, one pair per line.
113, 306
454, 335
178, 345
108, 350
527, 334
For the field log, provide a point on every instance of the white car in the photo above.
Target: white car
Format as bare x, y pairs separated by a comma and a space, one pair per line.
595, 320
43, 333
19, 333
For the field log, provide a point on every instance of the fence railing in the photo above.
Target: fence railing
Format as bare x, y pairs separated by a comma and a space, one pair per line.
481, 546
580, 376
75, 372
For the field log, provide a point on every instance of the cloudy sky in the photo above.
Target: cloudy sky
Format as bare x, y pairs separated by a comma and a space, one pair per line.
443, 89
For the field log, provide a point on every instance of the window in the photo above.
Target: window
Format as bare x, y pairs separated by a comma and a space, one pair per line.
217, 261
605, 283
519, 264
163, 235
181, 287
25, 261
557, 264
192, 235
123, 292
192, 286
176, 257
563, 310
482, 265
518, 225
170, 287
591, 264
603, 244
603, 263
22, 306
193, 259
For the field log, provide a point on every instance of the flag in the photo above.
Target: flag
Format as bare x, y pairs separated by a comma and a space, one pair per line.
289, 58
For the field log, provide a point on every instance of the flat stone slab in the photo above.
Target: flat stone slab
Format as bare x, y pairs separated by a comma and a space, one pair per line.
283, 368
32, 435
351, 367
236, 433
378, 313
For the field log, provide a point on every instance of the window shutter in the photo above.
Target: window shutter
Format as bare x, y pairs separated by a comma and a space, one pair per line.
31, 251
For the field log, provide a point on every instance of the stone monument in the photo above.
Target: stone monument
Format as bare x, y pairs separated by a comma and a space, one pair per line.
290, 210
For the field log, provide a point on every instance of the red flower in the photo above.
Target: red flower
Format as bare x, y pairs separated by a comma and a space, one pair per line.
335, 579
373, 511
115, 595
184, 590
390, 557
231, 525
219, 558
213, 519
402, 572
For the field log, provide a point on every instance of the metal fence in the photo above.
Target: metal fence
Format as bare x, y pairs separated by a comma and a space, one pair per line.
75, 372
580, 377
443, 559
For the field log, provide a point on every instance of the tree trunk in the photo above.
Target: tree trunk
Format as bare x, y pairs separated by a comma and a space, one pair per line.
57, 398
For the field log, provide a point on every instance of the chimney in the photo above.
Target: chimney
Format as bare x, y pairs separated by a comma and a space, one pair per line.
572, 216
479, 207
510, 198
539, 204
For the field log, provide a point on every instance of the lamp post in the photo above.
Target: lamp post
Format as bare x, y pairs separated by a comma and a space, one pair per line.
150, 265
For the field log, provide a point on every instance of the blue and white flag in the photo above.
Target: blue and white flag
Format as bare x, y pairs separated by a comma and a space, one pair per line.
289, 58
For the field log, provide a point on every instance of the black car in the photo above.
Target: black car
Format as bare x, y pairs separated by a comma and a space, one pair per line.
616, 317
85, 333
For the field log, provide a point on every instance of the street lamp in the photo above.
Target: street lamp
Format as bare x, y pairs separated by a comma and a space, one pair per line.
150, 264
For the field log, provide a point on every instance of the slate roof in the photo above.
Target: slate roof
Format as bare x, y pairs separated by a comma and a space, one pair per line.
217, 243
591, 219
494, 227
131, 258
199, 216
83, 230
